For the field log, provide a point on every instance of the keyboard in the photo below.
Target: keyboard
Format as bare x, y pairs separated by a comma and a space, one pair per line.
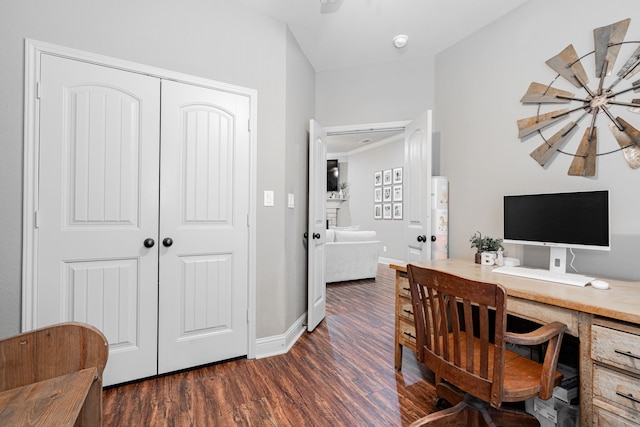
546, 275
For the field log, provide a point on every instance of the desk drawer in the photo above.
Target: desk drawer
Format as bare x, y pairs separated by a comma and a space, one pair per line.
603, 418
407, 334
403, 287
616, 388
616, 348
406, 311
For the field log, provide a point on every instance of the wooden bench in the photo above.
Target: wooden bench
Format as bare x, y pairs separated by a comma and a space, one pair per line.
53, 376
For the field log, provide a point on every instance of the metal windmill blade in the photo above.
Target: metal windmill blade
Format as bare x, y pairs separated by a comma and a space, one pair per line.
584, 162
607, 42
635, 109
543, 153
532, 124
628, 139
630, 68
539, 93
568, 65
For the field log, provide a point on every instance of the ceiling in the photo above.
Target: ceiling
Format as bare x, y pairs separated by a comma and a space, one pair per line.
337, 34
349, 33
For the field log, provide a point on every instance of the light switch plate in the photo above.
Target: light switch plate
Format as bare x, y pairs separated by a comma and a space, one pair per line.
268, 198
291, 201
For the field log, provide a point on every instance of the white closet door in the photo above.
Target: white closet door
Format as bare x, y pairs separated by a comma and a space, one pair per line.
98, 202
204, 200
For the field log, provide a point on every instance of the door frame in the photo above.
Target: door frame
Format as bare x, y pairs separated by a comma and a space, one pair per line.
399, 126
33, 51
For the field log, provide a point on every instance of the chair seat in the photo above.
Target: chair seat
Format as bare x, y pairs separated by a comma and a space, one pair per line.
522, 376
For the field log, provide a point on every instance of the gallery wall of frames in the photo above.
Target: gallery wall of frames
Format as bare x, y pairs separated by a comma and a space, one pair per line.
387, 194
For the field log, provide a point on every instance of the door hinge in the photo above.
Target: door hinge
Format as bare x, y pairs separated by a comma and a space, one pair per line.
249, 125
36, 219
37, 90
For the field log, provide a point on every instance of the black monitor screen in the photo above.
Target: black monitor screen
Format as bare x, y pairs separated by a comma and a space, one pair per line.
572, 219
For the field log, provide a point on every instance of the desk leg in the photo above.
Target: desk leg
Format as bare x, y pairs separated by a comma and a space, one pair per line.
398, 355
586, 370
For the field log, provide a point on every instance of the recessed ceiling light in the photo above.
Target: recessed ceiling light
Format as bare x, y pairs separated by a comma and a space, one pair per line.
400, 40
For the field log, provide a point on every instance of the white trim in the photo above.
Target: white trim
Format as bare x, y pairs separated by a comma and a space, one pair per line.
388, 261
367, 127
33, 51
281, 344
253, 179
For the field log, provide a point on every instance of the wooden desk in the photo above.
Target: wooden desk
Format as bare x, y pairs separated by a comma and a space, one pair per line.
69, 400
612, 316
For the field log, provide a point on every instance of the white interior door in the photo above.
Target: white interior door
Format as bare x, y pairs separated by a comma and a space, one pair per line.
316, 283
97, 203
204, 200
417, 188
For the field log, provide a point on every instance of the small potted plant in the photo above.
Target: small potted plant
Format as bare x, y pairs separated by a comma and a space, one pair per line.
344, 191
484, 244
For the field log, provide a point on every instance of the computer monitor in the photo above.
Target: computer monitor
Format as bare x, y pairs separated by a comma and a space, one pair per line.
559, 221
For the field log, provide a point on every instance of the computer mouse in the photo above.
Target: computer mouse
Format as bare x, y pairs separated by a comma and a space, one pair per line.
600, 284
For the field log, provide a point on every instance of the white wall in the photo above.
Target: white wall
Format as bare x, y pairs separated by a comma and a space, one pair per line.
361, 169
215, 39
479, 84
386, 92
300, 98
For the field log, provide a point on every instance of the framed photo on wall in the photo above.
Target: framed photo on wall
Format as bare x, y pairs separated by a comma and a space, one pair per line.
377, 178
386, 211
377, 195
397, 175
387, 194
397, 193
397, 211
387, 177
377, 211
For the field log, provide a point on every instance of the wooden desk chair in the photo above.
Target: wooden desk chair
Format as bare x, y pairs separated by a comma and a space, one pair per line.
477, 369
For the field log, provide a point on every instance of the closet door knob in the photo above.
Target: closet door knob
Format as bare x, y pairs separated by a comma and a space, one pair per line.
168, 241
148, 243
422, 238
316, 235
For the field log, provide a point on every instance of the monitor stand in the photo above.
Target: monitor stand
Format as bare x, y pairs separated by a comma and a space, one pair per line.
558, 259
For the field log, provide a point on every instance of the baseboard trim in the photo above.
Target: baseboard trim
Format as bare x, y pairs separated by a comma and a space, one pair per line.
281, 344
388, 261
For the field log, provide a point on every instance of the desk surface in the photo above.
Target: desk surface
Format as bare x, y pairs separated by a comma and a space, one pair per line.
621, 301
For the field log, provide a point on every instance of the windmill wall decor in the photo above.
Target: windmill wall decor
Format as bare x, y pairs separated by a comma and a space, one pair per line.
598, 100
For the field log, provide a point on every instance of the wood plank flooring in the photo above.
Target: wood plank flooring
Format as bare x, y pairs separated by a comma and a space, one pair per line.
342, 374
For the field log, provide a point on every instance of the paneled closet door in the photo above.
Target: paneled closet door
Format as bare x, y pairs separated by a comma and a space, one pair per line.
97, 208
205, 147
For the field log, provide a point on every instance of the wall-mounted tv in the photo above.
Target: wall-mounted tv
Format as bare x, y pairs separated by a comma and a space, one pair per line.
333, 173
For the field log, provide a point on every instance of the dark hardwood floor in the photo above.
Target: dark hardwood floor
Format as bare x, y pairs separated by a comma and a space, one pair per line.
342, 374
